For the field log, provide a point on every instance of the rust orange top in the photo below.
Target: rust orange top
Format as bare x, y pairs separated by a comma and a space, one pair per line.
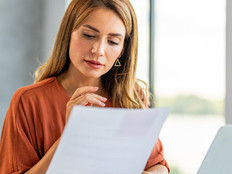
34, 121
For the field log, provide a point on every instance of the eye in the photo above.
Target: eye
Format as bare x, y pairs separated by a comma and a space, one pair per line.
88, 36
112, 42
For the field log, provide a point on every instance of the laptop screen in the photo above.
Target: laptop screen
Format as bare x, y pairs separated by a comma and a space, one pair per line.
218, 159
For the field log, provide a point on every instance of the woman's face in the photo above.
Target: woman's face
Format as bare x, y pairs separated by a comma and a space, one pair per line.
97, 43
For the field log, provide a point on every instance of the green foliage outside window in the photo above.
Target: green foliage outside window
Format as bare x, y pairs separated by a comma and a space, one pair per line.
190, 104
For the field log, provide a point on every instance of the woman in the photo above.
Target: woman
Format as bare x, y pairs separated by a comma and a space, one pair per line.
95, 36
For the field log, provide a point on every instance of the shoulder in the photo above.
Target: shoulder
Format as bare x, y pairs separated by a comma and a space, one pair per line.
142, 91
36, 89
29, 99
39, 86
33, 90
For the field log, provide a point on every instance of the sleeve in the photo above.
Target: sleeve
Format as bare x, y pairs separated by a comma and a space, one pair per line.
157, 156
17, 148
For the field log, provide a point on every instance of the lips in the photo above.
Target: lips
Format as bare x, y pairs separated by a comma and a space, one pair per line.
94, 64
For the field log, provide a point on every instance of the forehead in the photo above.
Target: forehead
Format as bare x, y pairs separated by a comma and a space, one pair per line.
105, 20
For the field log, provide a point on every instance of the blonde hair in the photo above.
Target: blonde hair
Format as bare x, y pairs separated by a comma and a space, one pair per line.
120, 83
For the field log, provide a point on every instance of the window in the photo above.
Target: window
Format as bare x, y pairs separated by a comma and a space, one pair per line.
142, 12
189, 77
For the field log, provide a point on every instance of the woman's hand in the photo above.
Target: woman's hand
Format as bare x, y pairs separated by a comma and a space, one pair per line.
157, 169
42, 165
144, 172
85, 96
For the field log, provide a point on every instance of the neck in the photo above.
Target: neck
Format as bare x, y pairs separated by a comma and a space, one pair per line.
70, 81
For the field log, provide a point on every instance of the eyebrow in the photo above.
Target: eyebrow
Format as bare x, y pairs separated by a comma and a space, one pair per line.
96, 30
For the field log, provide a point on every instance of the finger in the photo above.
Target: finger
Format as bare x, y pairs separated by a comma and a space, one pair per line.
92, 95
83, 90
89, 104
95, 102
85, 100
144, 172
89, 99
94, 99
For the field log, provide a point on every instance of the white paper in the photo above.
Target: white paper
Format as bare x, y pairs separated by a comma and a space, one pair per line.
107, 140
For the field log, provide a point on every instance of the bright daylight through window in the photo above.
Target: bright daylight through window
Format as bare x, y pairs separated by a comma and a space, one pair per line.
190, 77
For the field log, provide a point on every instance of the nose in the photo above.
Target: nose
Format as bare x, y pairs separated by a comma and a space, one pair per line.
98, 48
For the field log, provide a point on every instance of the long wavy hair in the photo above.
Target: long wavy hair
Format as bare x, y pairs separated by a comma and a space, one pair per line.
120, 83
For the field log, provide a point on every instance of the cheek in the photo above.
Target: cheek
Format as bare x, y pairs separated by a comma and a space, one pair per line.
77, 47
111, 58
114, 54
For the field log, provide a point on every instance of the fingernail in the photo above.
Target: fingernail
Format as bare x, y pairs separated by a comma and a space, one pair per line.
104, 99
95, 87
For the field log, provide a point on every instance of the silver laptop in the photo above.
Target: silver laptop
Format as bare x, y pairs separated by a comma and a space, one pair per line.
218, 159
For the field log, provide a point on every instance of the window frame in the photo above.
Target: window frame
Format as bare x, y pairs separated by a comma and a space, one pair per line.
228, 93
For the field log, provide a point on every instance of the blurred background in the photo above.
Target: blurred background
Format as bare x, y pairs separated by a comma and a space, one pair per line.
182, 55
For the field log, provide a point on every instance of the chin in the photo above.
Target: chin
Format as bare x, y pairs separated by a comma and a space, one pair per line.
93, 75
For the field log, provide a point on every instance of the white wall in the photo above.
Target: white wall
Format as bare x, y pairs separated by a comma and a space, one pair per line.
20, 42
27, 33
53, 13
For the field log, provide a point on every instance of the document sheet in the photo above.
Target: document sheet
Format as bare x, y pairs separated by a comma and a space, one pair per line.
107, 140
